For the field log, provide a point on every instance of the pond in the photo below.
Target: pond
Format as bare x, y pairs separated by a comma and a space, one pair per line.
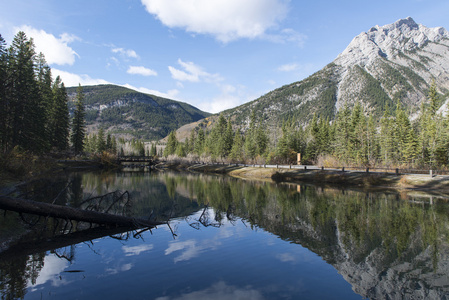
227, 238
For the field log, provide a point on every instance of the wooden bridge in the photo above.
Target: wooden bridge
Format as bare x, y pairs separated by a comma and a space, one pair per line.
140, 160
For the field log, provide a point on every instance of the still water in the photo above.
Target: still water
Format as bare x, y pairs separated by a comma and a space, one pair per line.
226, 239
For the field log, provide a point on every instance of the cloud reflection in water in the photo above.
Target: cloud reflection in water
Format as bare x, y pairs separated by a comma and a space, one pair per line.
220, 291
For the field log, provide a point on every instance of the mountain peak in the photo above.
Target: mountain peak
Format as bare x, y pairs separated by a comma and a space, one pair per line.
407, 22
389, 40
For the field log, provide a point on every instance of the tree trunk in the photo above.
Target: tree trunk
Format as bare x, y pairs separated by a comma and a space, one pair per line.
70, 213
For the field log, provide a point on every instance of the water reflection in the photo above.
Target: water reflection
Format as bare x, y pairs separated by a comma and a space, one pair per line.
220, 291
384, 244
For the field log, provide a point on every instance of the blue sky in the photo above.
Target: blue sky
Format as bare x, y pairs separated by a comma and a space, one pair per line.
213, 54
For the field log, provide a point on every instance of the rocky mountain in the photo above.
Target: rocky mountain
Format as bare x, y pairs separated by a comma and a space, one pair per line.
125, 112
387, 63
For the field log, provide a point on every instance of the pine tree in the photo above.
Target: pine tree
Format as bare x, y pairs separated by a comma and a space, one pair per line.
172, 143
4, 107
313, 144
433, 98
261, 141
228, 139
114, 145
199, 142
108, 142
387, 142
236, 154
153, 151
341, 141
410, 151
140, 148
78, 124
250, 144
282, 148
46, 95
402, 128
59, 120
25, 113
180, 150
100, 141
191, 148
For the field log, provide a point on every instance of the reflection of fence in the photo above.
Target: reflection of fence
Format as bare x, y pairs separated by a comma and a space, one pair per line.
396, 171
136, 160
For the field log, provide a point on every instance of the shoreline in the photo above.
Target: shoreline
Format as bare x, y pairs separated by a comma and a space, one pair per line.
436, 185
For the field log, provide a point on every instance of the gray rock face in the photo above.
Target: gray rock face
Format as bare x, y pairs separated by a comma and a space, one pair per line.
404, 57
387, 63
390, 40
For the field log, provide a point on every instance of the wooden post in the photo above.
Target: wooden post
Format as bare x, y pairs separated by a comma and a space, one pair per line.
431, 173
298, 159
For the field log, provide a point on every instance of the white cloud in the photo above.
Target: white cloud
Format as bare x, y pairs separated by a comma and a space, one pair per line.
53, 267
126, 52
219, 291
288, 67
56, 50
286, 257
136, 250
287, 35
170, 94
140, 70
192, 73
119, 268
220, 103
226, 20
71, 79
229, 97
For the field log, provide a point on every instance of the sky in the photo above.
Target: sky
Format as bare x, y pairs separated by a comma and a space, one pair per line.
212, 54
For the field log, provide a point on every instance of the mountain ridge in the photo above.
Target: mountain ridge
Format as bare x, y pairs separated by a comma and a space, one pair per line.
131, 114
386, 64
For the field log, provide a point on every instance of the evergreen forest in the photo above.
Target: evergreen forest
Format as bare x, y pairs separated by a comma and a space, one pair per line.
34, 113
351, 139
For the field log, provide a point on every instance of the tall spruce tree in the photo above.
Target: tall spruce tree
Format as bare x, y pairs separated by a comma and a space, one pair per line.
101, 141
433, 98
199, 142
78, 123
236, 154
172, 144
4, 107
59, 120
25, 108
46, 94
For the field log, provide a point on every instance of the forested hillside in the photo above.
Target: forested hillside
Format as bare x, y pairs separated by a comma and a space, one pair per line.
124, 112
352, 139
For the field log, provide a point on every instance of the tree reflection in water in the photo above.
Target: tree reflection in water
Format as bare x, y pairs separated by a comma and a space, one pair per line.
383, 243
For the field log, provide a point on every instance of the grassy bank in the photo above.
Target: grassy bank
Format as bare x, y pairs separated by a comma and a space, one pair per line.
436, 184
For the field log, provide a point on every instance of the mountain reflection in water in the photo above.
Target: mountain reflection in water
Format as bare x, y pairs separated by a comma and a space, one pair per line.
385, 245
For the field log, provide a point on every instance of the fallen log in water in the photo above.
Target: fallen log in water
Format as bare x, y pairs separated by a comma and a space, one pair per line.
44, 244
70, 213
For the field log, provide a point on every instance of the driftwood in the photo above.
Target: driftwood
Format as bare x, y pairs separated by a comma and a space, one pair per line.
70, 213
56, 242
